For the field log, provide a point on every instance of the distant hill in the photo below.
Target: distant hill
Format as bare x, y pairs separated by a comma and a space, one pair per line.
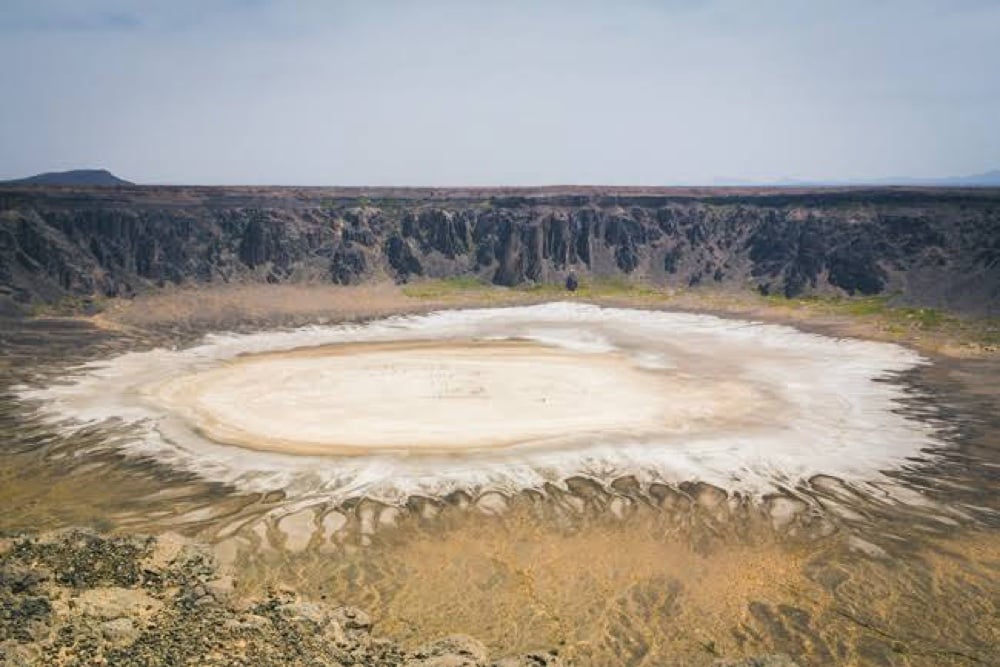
984, 180
100, 177
989, 179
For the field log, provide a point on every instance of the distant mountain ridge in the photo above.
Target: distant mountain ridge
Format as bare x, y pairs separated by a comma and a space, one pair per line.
99, 177
989, 179
103, 177
986, 179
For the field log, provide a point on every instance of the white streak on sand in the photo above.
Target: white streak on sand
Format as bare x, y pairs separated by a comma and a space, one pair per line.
598, 391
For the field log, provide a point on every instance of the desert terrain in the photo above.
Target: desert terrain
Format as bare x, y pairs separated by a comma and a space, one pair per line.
340, 426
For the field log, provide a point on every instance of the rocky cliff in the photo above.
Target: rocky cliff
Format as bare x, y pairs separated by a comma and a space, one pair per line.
938, 247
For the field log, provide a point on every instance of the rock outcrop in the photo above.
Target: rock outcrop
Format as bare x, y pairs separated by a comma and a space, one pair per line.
934, 247
77, 598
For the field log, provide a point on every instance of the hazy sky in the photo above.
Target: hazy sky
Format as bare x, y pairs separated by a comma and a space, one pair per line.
473, 92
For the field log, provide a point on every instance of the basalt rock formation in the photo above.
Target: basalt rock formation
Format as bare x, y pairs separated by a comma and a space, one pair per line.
931, 246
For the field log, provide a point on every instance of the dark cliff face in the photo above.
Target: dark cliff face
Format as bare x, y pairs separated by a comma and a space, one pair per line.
935, 247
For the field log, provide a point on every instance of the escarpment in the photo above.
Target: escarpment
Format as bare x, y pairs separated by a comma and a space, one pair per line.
935, 247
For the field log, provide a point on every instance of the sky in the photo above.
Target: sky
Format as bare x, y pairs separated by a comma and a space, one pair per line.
476, 92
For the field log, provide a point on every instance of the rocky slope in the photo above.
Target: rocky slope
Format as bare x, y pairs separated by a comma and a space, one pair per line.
935, 247
77, 598
81, 599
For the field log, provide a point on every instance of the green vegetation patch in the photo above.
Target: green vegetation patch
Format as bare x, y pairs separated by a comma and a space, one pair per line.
899, 320
444, 287
587, 289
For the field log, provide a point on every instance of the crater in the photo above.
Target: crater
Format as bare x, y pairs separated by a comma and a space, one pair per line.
504, 399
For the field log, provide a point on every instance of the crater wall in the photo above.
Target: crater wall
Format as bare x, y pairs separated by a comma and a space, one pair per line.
931, 246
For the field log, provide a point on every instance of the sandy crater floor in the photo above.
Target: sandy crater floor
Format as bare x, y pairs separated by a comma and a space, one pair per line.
442, 396
797, 494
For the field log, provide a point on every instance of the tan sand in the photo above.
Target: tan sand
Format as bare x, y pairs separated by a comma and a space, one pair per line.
225, 306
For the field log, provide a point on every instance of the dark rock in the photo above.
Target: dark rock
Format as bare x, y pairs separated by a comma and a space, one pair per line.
352, 619
84, 560
451, 651
18, 616
445, 231
347, 266
538, 659
671, 259
775, 660
256, 246
854, 268
402, 259
937, 248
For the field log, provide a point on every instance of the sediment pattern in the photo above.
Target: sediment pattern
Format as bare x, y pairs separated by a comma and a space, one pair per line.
622, 570
603, 392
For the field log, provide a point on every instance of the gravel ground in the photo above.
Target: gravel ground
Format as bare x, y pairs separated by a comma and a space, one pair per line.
78, 598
